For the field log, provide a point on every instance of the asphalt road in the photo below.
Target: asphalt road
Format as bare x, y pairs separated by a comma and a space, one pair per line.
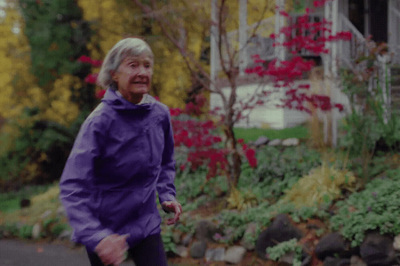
24, 253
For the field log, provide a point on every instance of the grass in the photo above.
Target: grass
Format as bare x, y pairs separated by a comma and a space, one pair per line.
252, 134
10, 201
43, 198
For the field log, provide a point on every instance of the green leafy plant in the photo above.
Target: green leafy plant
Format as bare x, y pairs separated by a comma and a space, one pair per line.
306, 212
10, 201
371, 125
190, 184
276, 252
279, 169
168, 240
58, 228
38, 154
375, 208
25, 231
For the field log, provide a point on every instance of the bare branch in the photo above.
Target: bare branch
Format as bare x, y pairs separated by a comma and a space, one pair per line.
192, 64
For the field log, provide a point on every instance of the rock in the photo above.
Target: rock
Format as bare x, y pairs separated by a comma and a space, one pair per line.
61, 211
261, 141
46, 214
187, 239
205, 230
290, 142
275, 142
357, 261
25, 203
182, 251
198, 249
235, 254
279, 231
288, 258
377, 249
249, 234
329, 245
332, 261
396, 243
176, 237
66, 234
36, 230
215, 254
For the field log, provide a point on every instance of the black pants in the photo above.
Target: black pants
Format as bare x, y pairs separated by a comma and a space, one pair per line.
149, 252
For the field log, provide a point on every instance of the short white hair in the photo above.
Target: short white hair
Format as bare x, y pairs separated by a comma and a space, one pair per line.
121, 50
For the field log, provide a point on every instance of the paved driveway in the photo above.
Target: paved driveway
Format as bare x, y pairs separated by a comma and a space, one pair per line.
23, 253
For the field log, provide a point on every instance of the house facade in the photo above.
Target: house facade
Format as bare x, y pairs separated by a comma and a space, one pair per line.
364, 19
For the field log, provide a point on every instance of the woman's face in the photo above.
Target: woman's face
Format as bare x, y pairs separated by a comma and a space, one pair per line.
133, 77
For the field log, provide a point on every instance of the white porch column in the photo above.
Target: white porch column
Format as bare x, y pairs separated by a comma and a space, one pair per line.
327, 58
242, 36
334, 74
279, 24
214, 53
366, 19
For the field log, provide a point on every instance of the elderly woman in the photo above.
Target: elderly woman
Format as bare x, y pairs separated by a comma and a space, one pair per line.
122, 157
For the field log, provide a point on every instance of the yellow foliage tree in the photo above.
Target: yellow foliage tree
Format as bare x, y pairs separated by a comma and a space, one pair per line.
14, 69
20, 89
62, 110
113, 20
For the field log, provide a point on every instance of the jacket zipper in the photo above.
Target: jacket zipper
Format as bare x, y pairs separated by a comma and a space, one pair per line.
147, 131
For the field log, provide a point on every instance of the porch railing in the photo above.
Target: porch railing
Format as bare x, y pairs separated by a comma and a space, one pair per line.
349, 51
259, 42
394, 35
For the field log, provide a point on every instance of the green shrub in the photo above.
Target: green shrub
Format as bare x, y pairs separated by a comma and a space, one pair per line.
190, 184
38, 154
375, 208
279, 169
10, 201
25, 231
371, 125
58, 228
168, 240
276, 252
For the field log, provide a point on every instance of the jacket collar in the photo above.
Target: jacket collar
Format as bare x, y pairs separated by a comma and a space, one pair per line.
120, 103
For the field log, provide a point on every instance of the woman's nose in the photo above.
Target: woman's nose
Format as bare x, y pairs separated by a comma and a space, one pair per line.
142, 70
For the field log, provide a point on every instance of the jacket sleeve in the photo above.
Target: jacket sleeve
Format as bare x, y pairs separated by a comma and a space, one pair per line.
76, 187
165, 185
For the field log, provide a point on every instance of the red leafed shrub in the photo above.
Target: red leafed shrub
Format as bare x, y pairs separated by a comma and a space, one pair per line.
88, 60
310, 36
202, 142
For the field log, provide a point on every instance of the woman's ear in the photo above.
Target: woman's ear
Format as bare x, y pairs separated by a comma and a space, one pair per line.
114, 76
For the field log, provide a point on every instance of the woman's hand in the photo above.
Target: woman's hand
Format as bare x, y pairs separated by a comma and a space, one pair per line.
172, 206
112, 249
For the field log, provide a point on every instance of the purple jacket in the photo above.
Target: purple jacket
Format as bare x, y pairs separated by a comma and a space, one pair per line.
122, 155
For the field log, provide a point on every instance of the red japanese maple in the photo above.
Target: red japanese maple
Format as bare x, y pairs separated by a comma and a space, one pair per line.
312, 37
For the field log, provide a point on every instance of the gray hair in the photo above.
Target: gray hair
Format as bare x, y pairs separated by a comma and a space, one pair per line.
121, 50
